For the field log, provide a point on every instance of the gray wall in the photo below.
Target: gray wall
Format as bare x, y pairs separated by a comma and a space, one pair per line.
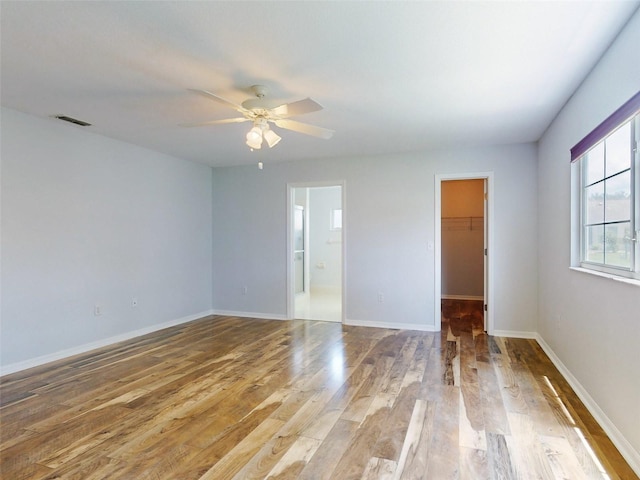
87, 220
591, 323
389, 220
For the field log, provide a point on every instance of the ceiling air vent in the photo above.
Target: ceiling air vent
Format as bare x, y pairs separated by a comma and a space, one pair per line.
72, 120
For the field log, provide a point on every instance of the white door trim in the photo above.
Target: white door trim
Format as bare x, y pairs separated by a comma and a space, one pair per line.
439, 178
290, 263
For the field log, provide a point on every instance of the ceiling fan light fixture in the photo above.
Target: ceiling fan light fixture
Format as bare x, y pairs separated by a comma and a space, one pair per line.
254, 138
271, 137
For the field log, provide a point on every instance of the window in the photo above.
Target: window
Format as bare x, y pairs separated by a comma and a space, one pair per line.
609, 193
336, 219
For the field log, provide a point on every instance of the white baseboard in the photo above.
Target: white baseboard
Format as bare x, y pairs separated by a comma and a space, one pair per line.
262, 316
392, 325
630, 454
514, 334
69, 352
461, 297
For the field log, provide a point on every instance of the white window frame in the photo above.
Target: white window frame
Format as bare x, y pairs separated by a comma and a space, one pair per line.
579, 154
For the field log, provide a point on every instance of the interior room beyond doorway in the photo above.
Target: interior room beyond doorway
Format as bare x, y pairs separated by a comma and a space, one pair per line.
463, 241
317, 245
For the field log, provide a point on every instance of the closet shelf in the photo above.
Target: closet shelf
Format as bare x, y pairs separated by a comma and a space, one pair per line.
462, 223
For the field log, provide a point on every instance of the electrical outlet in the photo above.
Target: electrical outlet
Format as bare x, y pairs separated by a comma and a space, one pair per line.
380, 297
244, 290
97, 310
134, 302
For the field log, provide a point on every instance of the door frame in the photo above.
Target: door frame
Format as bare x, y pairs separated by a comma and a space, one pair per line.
488, 177
291, 295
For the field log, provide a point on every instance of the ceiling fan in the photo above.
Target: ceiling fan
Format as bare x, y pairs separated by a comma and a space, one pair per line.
262, 111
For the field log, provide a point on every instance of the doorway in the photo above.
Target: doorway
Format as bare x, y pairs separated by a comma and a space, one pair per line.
316, 249
463, 272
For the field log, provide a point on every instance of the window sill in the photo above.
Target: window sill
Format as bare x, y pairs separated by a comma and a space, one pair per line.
630, 281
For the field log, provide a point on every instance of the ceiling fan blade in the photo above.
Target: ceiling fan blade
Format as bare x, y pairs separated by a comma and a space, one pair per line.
218, 99
297, 108
305, 128
215, 122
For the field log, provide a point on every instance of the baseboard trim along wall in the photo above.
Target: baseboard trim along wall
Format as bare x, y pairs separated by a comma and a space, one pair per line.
395, 326
626, 450
514, 334
262, 316
87, 347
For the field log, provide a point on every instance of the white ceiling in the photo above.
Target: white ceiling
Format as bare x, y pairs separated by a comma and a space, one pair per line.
393, 76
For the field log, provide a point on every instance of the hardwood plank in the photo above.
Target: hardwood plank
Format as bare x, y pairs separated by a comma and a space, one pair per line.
66, 440
259, 466
511, 395
233, 462
379, 469
562, 460
538, 408
393, 381
382, 359
165, 462
412, 462
296, 458
443, 460
525, 449
335, 443
471, 432
494, 413
393, 435
94, 468
473, 464
20, 416
481, 347
450, 356
354, 460
17, 468
499, 459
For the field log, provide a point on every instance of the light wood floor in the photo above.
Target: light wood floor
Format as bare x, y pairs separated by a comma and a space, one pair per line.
223, 398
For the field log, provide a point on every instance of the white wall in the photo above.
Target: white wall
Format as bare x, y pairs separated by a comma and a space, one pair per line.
87, 220
389, 219
591, 323
325, 246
